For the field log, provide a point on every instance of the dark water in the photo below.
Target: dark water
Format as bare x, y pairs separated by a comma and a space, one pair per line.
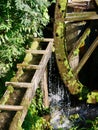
66, 110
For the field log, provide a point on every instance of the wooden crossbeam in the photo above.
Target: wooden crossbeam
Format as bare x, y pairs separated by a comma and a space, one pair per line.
77, 45
81, 16
85, 13
11, 107
44, 39
19, 84
36, 51
86, 56
81, 4
25, 66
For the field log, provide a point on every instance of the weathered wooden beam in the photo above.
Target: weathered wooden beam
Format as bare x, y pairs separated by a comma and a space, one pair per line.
77, 14
78, 44
44, 88
26, 101
81, 16
19, 84
28, 66
86, 56
36, 51
11, 107
96, 2
80, 4
44, 39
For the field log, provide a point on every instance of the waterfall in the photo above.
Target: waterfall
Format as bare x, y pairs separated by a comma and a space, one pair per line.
58, 97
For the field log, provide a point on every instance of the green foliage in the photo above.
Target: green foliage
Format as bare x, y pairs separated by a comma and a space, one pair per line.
19, 19
34, 119
90, 125
92, 97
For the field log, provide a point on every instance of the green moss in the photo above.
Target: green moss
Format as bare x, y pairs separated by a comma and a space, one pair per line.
76, 52
29, 56
34, 44
74, 116
18, 127
85, 36
92, 97
5, 98
10, 89
62, 4
60, 29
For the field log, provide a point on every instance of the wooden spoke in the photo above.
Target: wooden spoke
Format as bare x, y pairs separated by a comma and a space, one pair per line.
87, 55
79, 43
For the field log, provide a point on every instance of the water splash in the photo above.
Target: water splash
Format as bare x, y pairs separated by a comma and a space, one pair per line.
63, 108
59, 98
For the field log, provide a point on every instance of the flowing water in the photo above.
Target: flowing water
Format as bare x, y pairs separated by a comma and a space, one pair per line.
65, 109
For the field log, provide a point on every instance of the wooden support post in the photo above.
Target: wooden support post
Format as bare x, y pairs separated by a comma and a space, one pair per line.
44, 88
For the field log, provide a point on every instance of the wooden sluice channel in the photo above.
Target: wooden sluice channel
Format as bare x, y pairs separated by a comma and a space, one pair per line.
22, 87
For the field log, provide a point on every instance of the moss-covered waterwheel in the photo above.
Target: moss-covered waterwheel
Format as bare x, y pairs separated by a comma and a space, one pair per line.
75, 39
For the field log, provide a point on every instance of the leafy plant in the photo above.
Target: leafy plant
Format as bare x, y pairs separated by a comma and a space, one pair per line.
90, 125
34, 119
19, 20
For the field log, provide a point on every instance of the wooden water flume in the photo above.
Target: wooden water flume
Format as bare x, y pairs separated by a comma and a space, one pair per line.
30, 87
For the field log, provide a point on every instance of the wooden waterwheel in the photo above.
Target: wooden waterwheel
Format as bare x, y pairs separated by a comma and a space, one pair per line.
76, 39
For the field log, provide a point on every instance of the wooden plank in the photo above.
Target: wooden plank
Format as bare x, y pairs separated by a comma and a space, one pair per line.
19, 84
11, 107
28, 66
81, 4
44, 39
36, 51
77, 45
73, 17
77, 4
85, 13
44, 88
